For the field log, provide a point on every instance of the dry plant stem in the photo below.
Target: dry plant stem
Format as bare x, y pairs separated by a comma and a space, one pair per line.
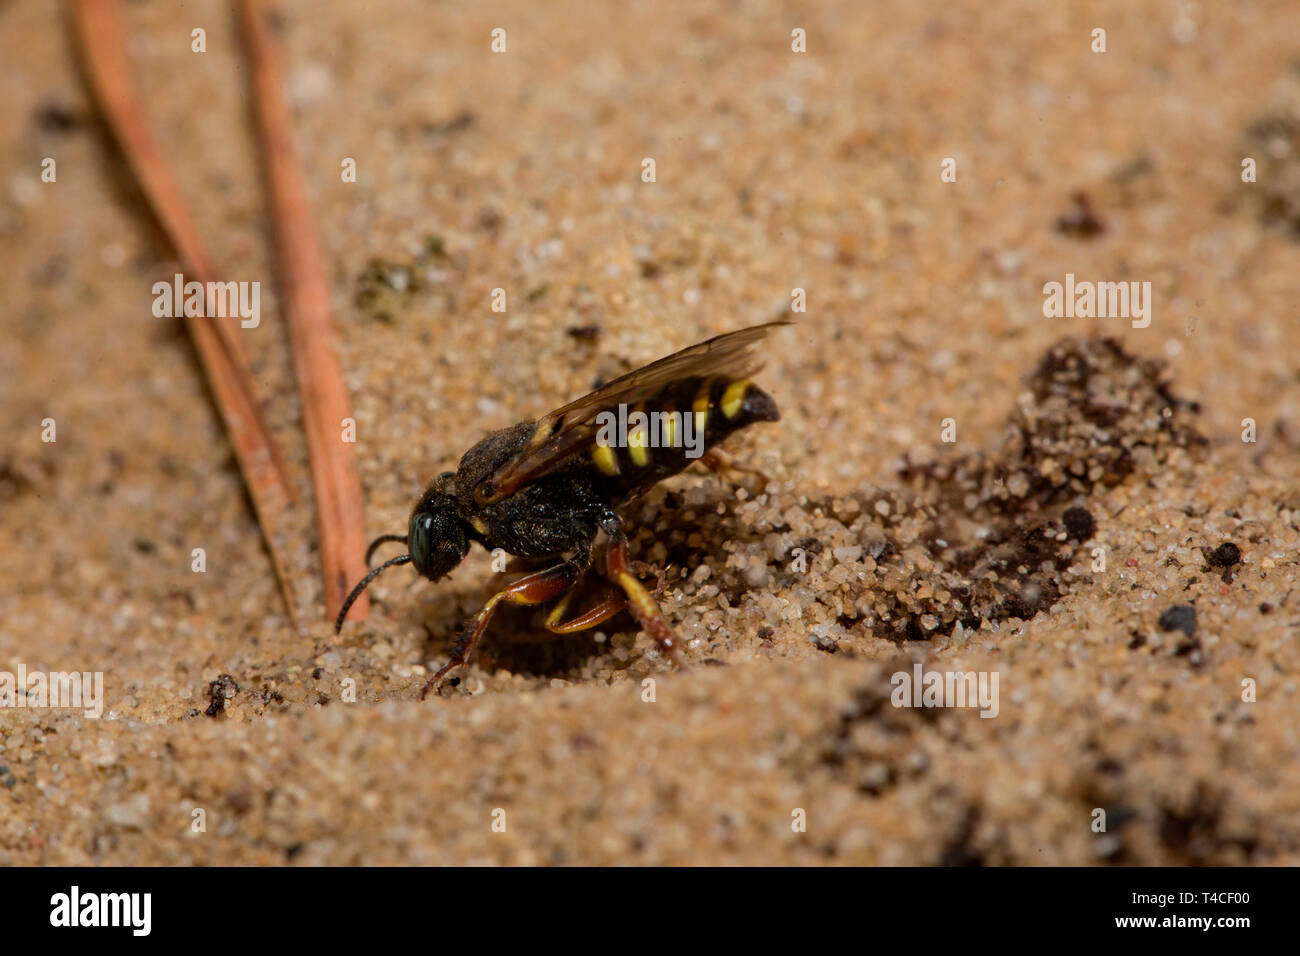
320, 378
102, 38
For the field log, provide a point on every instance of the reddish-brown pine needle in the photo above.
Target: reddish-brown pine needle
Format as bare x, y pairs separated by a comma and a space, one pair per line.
320, 378
102, 39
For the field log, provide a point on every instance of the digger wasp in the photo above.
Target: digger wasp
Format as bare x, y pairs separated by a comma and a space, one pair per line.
544, 490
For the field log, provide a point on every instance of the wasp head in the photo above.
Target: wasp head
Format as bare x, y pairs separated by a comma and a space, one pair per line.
436, 540
436, 536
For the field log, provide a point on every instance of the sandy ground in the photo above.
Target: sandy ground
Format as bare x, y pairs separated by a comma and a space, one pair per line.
875, 546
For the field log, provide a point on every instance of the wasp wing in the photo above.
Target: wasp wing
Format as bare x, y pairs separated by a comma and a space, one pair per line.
573, 428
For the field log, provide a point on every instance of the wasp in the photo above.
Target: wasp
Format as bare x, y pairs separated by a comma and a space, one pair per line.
544, 490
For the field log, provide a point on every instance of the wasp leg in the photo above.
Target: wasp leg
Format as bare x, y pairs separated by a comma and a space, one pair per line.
639, 601
598, 614
606, 608
641, 568
726, 467
536, 588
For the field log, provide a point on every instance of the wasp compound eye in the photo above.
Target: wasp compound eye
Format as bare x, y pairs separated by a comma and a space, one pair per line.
419, 539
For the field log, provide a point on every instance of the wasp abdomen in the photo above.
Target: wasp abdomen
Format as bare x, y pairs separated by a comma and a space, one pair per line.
644, 443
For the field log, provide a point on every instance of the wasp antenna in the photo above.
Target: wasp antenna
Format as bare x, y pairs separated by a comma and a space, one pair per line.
382, 539
356, 591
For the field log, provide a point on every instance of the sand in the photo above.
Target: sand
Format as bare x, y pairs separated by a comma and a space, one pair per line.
1098, 534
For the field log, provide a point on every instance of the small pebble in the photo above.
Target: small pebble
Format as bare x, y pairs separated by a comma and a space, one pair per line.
1226, 555
1180, 617
1079, 522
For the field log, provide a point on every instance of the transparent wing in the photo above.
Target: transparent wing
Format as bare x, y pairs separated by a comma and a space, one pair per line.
572, 429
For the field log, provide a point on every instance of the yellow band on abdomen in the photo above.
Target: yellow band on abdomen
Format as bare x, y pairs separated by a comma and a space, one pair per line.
734, 396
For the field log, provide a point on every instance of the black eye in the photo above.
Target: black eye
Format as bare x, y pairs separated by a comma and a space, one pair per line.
421, 526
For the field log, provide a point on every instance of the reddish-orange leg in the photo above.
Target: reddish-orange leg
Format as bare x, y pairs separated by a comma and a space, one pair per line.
726, 467
536, 588
560, 581
604, 610
598, 614
640, 601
